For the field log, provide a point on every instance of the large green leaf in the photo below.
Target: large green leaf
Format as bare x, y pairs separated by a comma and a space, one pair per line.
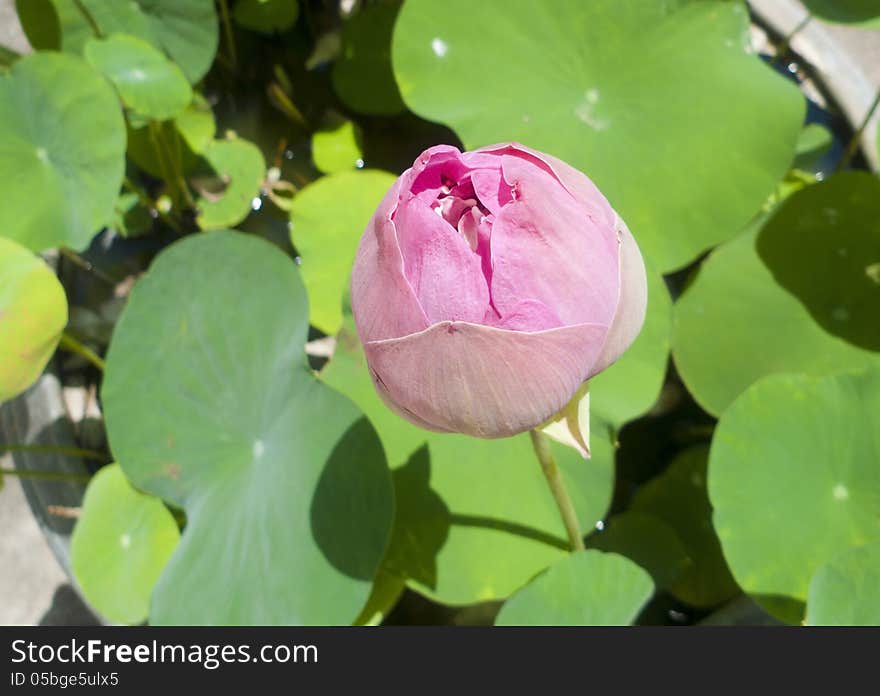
589, 588
835, 228
660, 103
328, 218
187, 30
33, 313
120, 544
846, 590
736, 323
793, 477
862, 12
631, 385
227, 181
362, 75
62, 151
475, 518
210, 405
146, 80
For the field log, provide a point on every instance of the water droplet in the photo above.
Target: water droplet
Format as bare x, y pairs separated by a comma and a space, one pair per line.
600, 525
125, 541
440, 47
792, 68
288, 154
298, 260
359, 163
840, 492
43, 155
840, 314
258, 449
256, 203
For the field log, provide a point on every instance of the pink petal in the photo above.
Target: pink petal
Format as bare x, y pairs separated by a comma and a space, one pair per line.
491, 189
440, 266
383, 302
427, 178
545, 247
633, 301
528, 315
576, 182
483, 381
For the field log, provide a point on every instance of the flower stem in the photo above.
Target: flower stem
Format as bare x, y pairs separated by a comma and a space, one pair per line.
541, 443
70, 344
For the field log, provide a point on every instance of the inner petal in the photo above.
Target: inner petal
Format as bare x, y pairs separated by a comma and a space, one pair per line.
440, 265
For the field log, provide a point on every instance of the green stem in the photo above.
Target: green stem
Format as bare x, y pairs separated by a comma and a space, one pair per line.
88, 17
70, 344
80, 262
227, 30
541, 443
55, 449
46, 475
856, 139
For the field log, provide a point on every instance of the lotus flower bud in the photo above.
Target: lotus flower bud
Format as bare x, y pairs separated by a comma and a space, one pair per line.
489, 286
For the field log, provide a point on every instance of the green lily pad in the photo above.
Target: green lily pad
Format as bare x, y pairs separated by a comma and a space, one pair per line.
187, 30
589, 588
835, 227
337, 149
120, 545
846, 590
678, 497
33, 313
735, 323
631, 386
793, 477
633, 93
475, 518
266, 16
62, 151
194, 128
328, 218
284, 483
864, 13
146, 80
227, 181
362, 75
39, 20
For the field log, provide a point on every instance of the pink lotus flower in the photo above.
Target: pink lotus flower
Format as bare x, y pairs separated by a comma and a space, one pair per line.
489, 286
